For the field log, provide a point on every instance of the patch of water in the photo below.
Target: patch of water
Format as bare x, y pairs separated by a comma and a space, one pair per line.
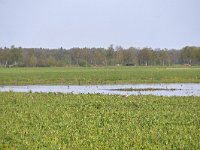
177, 89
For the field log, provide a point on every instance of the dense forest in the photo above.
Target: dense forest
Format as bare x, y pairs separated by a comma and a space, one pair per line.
111, 56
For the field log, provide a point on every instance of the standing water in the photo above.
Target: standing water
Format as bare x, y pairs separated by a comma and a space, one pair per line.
178, 89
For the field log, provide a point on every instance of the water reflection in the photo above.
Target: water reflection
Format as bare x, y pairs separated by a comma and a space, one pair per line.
184, 89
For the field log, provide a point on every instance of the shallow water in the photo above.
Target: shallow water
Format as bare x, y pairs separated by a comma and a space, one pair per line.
180, 89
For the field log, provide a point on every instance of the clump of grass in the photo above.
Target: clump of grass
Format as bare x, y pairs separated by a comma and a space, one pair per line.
144, 89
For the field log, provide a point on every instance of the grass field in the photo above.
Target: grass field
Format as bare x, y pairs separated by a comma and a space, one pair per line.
99, 75
66, 121
50, 121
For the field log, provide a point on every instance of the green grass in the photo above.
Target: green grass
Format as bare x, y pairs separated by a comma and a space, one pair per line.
100, 75
65, 121
50, 121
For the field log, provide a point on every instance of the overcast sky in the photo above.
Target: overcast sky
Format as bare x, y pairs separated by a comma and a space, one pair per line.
99, 23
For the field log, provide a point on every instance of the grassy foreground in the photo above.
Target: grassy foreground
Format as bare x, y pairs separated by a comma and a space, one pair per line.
100, 75
64, 121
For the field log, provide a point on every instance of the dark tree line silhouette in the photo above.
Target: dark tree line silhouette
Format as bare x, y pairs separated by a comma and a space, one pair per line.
111, 56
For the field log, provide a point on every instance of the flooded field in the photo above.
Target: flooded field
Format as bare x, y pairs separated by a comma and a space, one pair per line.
180, 89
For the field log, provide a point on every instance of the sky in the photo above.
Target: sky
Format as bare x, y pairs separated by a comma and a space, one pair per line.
100, 23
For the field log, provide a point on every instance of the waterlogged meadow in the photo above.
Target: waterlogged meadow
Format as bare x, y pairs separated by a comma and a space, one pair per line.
67, 121
98, 75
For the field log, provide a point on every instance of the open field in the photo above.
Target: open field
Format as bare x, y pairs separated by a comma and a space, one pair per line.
98, 75
67, 121
50, 121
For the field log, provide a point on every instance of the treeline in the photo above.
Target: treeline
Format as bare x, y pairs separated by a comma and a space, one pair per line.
111, 56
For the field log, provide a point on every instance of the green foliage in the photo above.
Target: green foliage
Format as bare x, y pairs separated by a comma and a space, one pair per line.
33, 60
51, 61
98, 75
111, 56
59, 121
